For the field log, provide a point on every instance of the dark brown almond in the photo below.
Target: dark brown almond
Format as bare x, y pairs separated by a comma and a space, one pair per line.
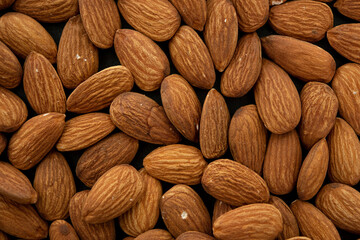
155, 234
219, 209
6, 3
3, 142
190, 235
192, 12
62, 230
10, 68
3, 236
348, 8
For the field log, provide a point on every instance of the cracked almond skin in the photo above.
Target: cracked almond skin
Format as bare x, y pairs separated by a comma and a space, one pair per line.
77, 57
113, 150
114, 193
155, 234
247, 138
10, 68
312, 222
258, 221
3, 142
34, 140
62, 230
193, 13
21, 221
221, 32
219, 209
214, 125
312, 63
15, 186
191, 58
319, 107
42, 85
183, 210
157, 19
100, 19
341, 203
234, 183
277, 99
143, 57
84, 229
190, 235
84, 131
142, 118
348, 8
304, 19
23, 34
176, 163
244, 68
181, 106
99, 90
313, 171
13, 111
144, 215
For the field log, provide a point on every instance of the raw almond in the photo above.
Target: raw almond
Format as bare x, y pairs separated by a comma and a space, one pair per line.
192, 12
10, 68
299, 238
98, 91
190, 235
219, 209
22, 34
84, 130
277, 99
36, 137
234, 183
3, 142
142, 118
5, 4
177, 164
155, 234
3, 236
62, 230
143, 57
311, 63
129, 238
191, 58
348, 8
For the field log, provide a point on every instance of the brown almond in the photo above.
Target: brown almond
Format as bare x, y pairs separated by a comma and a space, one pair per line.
5, 4
276, 2
299, 238
62, 230
194, 235
155, 234
219, 209
192, 12
10, 68
3, 236
3, 142
348, 8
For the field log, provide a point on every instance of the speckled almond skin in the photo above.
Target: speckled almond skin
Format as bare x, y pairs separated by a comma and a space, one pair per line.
10, 68
348, 8
155, 234
62, 230
193, 13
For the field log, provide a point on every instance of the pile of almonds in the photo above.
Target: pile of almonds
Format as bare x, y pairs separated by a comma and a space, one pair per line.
286, 167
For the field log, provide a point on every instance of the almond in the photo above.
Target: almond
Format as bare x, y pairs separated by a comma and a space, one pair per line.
348, 8
98, 91
113, 150
276, 2
181, 106
144, 58
157, 19
3, 236
244, 68
129, 238
155, 234
142, 118
255, 221
221, 32
277, 99
233, 183
3, 142
194, 235
77, 57
312, 63
101, 19
5, 4
183, 210
62, 230
319, 106
192, 12
299, 238
22, 34
10, 68
191, 58
177, 164
219, 209
85, 130
36, 137
13, 111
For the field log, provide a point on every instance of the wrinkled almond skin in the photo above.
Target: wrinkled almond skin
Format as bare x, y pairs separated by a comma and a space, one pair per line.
113, 150
244, 68
13, 111
143, 57
142, 118
282, 162
191, 58
304, 19
341, 203
115, 192
176, 163
98, 91
144, 215
312, 63
21, 221
221, 32
84, 130
42, 85
62, 230
192, 12
194, 235
10, 68
255, 221
157, 19
247, 138
234, 183
48, 11
22, 34
183, 210
155, 234
312, 222
5, 4
277, 99
3, 142
348, 8
36, 137
219, 209
101, 19
319, 107
84, 229
77, 57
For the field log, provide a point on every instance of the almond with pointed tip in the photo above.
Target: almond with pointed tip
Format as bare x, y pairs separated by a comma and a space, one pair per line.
194, 235
155, 234
10, 68
3, 142
348, 8
219, 209
62, 230
193, 13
